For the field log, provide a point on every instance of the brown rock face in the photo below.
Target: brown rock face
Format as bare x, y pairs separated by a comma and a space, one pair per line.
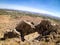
25, 28
45, 27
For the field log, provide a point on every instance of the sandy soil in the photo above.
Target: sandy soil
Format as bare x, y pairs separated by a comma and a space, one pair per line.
8, 23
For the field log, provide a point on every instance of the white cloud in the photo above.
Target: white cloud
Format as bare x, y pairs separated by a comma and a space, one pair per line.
9, 6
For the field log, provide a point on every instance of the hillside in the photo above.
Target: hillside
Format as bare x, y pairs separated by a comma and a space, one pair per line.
9, 20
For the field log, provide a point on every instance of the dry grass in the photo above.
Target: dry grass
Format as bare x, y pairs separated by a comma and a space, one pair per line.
7, 23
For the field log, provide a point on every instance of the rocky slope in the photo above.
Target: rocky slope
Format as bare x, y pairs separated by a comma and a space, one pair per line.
9, 22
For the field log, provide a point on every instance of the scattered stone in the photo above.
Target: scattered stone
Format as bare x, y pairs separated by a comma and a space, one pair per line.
10, 34
58, 43
31, 36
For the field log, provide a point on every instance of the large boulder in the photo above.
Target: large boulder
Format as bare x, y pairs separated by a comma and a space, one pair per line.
45, 27
25, 28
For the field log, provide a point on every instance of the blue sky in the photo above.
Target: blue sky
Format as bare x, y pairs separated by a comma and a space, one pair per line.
41, 6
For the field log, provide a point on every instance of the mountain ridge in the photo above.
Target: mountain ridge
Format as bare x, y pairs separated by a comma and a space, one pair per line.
30, 13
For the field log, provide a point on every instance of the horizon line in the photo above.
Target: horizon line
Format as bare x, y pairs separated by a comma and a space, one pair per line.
25, 8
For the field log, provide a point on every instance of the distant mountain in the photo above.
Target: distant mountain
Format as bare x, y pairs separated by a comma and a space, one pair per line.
19, 12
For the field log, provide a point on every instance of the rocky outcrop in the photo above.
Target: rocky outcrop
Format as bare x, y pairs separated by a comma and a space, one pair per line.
25, 28
44, 28
47, 32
